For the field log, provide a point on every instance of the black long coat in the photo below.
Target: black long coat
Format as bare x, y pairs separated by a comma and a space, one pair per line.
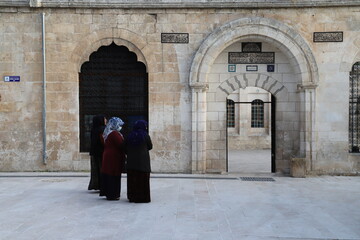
138, 157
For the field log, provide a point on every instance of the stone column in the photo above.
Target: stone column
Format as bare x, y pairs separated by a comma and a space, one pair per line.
198, 155
307, 145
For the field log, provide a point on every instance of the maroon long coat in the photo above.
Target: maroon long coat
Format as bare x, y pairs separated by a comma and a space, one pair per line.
114, 155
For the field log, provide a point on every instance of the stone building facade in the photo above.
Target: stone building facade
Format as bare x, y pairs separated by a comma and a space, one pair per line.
195, 57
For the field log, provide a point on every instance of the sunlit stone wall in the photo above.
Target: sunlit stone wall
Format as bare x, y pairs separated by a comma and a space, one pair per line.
75, 29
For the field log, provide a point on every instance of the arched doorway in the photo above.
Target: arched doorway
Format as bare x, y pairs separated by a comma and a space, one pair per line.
114, 83
262, 111
250, 131
212, 80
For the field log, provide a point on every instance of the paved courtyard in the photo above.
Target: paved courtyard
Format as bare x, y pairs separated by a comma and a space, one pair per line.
245, 161
47, 206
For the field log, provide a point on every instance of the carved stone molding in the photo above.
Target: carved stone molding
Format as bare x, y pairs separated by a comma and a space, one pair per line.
296, 47
180, 3
302, 87
199, 86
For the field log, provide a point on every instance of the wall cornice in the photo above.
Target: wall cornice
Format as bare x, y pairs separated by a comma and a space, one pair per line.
14, 3
152, 4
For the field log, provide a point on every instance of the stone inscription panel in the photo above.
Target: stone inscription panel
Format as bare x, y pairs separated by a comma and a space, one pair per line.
251, 47
251, 68
328, 37
174, 38
251, 58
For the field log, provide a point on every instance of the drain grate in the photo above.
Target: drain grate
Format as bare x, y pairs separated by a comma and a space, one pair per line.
258, 179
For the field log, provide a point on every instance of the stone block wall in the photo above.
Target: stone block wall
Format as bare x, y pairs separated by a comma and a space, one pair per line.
319, 132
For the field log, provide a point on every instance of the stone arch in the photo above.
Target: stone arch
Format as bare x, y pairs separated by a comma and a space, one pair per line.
351, 55
134, 42
103, 37
275, 33
242, 81
350, 58
260, 80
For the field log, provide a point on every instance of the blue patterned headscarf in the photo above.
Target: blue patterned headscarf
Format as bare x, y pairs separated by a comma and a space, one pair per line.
114, 124
137, 136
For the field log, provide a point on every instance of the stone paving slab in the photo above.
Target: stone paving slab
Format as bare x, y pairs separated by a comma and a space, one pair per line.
58, 206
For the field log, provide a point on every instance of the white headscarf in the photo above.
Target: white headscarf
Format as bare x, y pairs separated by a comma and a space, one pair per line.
114, 124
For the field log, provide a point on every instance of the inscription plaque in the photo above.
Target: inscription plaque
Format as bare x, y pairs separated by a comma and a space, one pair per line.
251, 47
174, 38
251, 58
328, 37
251, 68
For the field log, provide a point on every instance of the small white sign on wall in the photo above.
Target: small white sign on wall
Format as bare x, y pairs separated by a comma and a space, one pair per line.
11, 78
251, 68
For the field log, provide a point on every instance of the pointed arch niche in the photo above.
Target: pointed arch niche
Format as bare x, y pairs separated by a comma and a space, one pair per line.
112, 83
134, 43
294, 105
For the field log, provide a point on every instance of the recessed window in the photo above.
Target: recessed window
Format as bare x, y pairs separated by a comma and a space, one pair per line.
257, 114
354, 109
230, 113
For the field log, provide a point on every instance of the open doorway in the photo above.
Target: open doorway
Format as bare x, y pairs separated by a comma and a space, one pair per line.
250, 134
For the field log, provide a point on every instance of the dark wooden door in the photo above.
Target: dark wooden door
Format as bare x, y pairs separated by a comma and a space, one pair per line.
112, 83
273, 134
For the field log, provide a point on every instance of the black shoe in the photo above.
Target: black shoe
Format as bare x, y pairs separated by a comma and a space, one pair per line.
112, 199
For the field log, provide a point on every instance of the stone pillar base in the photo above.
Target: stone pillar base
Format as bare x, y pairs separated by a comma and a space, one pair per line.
298, 167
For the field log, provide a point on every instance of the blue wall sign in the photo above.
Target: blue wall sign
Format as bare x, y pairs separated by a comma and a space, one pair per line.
11, 78
270, 68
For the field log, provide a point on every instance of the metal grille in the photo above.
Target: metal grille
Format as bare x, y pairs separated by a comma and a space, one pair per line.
354, 109
257, 114
261, 179
112, 83
230, 113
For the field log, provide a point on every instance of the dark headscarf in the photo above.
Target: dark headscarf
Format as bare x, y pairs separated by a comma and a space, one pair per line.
137, 136
98, 125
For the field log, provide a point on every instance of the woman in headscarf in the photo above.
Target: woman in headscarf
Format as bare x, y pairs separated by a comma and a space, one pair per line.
138, 143
113, 159
96, 150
